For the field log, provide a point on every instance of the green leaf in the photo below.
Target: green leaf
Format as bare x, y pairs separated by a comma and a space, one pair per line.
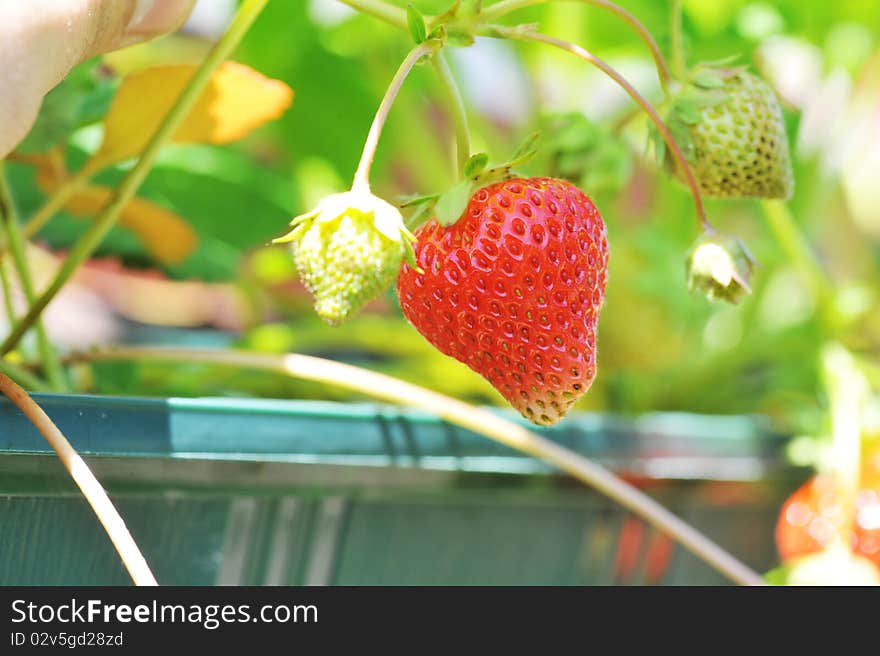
707, 78
475, 165
416, 200
416, 23
688, 110
421, 214
530, 145
681, 133
453, 202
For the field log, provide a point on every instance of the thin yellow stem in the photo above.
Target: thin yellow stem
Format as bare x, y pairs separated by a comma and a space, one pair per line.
92, 490
456, 107
457, 412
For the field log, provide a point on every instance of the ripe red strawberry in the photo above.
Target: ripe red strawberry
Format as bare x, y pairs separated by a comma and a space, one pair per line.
812, 517
513, 289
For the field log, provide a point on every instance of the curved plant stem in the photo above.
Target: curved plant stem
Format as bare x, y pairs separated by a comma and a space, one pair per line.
457, 412
85, 246
589, 57
676, 36
362, 175
381, 10
507, 6
16, 244
81, 474
456, 106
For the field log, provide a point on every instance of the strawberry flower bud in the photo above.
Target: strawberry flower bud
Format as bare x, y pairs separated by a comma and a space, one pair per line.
348, 250
720, 266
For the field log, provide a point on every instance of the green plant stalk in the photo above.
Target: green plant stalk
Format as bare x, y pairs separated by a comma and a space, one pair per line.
7, 294
85, 246
797, 249
578, 51
79, 471
457, 412
505, 7
361, 180
381, 10
48, 356
456, 108
676, 35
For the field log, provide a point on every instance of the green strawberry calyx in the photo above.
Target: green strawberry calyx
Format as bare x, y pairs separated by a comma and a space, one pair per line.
364, 208
447, 206
720, 266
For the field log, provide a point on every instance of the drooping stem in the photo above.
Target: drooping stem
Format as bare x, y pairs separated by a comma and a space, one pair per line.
362, 175
92, 490
456, 107
507, 6
589, 57
457, 412
676, 36
381, 10
16, 245
85, 246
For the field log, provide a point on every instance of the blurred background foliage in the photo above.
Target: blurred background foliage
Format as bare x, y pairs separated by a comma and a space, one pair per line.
660, 348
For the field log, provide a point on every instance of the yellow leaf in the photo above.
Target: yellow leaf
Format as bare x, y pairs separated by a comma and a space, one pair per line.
236, 100
163, 233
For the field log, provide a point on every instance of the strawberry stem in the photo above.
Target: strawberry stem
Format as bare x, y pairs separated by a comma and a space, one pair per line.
459, 115
508, 6
362, 175
586, 55
481, 421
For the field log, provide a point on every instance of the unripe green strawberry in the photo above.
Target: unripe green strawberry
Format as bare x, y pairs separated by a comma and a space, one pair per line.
729, 125
348, 250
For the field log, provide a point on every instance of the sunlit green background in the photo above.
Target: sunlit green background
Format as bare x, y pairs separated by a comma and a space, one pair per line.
660, 348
